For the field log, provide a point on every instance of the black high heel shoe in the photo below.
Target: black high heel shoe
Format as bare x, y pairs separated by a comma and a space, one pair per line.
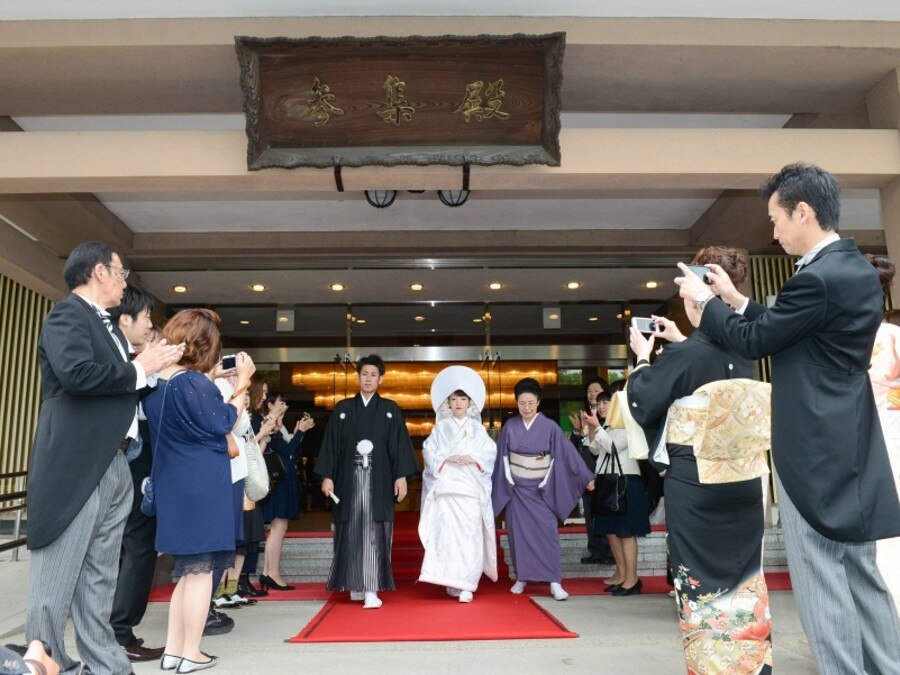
248, 590
611, 587
268, 582
634, 590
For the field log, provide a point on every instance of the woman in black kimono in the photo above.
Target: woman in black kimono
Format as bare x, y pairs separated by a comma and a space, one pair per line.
715, 530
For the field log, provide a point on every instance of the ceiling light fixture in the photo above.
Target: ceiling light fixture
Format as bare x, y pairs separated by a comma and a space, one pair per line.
573, 285
593, 318
282, 319
419, 318
259, 288
360, 321
477, 320
245, 322
337, 287
416, 287
453, 197
619, 316
381, 199
651, 284
495, 286
554, 317
179, 289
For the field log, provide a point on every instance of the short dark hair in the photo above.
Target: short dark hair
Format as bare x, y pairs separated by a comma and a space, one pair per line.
801, 182
271, 399
618, 385
604, 385
732, 261
82, 260
528, 385
604, 396
371, 360
134, 301
885, 269
199, 330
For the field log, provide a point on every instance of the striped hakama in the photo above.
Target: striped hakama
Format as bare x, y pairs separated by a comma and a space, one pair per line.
362, 546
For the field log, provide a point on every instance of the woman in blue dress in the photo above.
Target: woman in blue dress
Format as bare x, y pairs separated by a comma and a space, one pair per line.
283, 503
195, 513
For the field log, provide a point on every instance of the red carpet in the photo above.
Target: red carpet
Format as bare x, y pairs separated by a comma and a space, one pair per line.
423, 612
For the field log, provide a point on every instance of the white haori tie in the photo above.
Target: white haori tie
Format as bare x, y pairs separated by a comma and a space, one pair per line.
364, 448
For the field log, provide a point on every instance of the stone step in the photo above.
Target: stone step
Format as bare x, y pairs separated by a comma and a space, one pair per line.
309, 559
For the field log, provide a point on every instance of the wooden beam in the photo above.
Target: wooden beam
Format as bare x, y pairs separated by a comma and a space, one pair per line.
31, 264
593, 159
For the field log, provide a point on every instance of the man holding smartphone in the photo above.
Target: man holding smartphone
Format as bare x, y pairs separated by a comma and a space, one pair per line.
836, 491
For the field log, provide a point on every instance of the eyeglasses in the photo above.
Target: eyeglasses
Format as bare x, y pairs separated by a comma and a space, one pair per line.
121, 272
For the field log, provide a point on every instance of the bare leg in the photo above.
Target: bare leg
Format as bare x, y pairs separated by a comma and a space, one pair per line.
195, 606
175, 634
273, 550
615, 545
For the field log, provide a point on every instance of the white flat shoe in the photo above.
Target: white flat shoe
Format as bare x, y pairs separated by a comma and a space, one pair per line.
188, 666
519, 587
169, 662
453, 592
558, 592
357, 596
372, 601
466, 596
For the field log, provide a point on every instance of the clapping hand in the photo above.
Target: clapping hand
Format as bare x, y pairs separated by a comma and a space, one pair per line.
589, 418
576, 423
304, 425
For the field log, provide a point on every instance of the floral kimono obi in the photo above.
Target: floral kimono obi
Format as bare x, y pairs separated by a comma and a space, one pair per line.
728, 423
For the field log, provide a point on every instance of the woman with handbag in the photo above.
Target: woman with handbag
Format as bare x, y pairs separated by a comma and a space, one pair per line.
714, 507
622, 526
282, 504
195, 512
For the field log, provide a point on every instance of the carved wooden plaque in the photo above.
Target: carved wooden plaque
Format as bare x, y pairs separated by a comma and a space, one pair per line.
385, 101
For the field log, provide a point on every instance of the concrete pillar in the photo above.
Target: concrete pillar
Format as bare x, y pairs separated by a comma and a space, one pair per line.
883, 104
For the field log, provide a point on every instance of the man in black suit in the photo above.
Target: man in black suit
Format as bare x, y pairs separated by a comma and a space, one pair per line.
836, 491
79, 486
137, 561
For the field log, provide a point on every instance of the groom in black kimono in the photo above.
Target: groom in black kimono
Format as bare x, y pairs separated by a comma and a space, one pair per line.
365, 459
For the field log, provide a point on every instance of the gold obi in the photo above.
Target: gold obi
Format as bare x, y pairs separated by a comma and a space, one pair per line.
729, 425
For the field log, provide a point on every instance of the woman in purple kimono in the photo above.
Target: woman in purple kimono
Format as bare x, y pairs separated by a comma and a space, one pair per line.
538, 478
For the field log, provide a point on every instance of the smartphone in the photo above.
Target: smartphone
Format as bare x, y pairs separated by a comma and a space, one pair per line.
229, 362
307, 416
645, 325
700, 271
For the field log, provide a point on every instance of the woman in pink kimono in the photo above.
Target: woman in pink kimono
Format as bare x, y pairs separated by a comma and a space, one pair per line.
456, 524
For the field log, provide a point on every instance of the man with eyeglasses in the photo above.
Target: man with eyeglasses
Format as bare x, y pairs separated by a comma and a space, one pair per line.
79, 484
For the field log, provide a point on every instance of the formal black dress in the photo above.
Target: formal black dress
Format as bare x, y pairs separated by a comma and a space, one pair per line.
715, 531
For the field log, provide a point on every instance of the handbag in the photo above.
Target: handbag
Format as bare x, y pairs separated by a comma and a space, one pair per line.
275, 468
148, 500
256, 484
610, 495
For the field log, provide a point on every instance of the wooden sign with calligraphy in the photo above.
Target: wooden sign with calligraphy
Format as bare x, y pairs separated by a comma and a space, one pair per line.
386, 101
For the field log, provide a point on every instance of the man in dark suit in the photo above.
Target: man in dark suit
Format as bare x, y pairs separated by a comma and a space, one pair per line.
365, 460
79, 486
836, 491
137, 561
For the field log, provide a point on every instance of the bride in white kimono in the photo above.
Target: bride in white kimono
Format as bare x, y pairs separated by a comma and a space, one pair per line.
456, 524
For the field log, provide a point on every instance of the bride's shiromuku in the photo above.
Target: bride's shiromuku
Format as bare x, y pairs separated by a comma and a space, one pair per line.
456, 524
